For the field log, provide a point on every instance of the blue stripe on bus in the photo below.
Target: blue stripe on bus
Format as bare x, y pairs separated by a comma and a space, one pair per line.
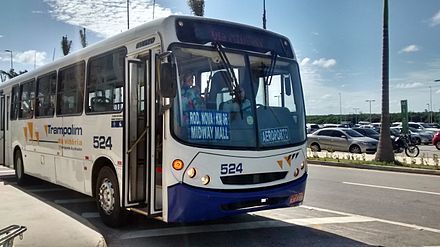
191, 204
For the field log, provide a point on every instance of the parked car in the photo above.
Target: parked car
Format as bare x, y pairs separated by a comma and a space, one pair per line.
419, 126
416, 138
341, 139
435, 125
436, 140
368, 132
312, 128
425, 136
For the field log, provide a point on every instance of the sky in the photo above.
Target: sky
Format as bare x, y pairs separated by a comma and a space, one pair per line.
338, 43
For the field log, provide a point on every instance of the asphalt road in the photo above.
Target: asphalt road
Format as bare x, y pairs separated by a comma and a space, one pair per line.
343, 207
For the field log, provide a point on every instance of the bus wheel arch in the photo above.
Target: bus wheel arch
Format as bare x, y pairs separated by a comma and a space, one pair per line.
107, 193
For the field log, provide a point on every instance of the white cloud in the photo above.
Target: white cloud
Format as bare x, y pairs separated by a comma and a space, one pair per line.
435, 20
409, 85
37, 12
305, 61
29, 57
410, 48
325, 63
1, 36
105, 17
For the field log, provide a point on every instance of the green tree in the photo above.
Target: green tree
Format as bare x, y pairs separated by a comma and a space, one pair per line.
197, 7
82, 35
385, 148
65, 45
5, 75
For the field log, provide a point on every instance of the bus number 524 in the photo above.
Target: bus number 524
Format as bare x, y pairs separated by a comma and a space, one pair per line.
231, 168
102, 142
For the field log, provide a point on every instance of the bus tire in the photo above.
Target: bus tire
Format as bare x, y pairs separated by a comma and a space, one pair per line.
108, 199
19, 168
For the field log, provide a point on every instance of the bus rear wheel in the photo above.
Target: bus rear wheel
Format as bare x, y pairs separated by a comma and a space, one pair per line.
108, 199
19, 168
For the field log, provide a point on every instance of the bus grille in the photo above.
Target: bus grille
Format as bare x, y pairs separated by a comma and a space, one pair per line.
253, 178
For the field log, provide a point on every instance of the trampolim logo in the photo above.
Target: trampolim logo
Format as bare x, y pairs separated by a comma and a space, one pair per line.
30, 134
62, 130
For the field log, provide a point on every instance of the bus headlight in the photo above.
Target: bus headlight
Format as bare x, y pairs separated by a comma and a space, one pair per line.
191, 172
206, 179
296, 173
302, 165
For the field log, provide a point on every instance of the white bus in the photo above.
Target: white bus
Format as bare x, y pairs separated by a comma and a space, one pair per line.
115, 122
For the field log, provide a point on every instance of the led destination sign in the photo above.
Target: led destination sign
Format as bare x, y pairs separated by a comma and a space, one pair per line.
233, 36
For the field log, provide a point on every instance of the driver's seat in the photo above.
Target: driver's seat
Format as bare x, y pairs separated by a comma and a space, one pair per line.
218, 84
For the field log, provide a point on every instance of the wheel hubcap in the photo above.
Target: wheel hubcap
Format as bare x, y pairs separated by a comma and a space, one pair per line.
107, 196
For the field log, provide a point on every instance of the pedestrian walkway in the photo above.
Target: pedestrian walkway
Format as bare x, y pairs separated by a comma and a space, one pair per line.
46, 226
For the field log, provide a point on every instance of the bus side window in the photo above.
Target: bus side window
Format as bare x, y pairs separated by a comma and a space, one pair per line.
45, 95
15, 103
27, 94
105, 82
70, 89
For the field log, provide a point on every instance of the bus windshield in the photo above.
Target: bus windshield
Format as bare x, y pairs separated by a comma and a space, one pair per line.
235, 99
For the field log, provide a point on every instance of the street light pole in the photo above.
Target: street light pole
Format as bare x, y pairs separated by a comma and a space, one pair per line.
128, 14
340, 108
264, 14
430, 104
12, 64
369, 101
355, 109
430, 98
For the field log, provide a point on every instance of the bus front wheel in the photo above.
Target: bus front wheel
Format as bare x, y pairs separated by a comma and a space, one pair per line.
107, 198
19, 168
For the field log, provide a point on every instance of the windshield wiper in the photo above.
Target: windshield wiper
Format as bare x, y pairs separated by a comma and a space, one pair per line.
234, 87
269, 75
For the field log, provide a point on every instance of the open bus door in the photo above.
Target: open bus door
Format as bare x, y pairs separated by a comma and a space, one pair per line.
137, 134
2, 130
142, 177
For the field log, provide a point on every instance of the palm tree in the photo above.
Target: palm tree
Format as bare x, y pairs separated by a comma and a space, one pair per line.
65, 45
385, 148
82, 35
4, 75
197, 7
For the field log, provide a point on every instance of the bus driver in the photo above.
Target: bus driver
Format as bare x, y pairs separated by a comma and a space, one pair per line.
191, 99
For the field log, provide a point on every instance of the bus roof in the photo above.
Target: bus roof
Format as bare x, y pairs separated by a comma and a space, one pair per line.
161, 26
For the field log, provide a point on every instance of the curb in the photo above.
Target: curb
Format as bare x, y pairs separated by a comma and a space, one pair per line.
376, 167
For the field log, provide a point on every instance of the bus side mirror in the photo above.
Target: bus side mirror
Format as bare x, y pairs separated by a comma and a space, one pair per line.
168, 80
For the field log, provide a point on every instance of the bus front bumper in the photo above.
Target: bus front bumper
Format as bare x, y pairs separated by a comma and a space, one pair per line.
190, 204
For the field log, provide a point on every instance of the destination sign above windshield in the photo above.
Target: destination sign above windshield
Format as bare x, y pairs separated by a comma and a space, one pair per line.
232, 36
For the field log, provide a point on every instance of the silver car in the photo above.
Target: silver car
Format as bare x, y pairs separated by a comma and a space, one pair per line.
341, 139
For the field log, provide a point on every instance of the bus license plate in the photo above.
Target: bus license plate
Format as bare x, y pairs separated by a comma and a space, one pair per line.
295, 198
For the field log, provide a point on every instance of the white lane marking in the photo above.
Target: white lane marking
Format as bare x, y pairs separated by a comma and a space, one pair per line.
393, 188
328, 220
89, 215
345, 218
76, 200
413, 226
45, 190
242, 226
